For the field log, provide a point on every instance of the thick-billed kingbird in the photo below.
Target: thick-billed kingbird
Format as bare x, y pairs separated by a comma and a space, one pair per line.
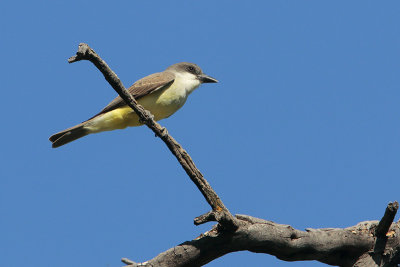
161, 93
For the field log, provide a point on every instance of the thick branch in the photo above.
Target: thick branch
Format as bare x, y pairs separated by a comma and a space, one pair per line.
224, 217
333, 246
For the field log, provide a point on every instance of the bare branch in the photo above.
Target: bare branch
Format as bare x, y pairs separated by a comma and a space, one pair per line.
387, 219
207, 217
224, 217
129, 262
333, 246
381, 232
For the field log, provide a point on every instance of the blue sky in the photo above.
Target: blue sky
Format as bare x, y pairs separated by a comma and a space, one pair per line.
303, 128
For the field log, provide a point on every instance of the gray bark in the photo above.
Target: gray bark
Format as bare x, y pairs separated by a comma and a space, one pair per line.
352, 246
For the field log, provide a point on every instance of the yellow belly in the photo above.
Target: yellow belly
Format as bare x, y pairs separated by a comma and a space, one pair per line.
161, 104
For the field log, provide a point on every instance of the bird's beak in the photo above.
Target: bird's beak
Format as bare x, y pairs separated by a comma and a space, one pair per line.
206, 79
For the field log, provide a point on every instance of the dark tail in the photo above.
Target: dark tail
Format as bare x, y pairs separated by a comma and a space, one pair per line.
68, 135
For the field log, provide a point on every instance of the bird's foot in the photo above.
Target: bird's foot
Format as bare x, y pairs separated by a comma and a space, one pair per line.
164, 132
148, 116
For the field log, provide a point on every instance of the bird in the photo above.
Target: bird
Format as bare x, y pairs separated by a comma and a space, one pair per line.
161, 93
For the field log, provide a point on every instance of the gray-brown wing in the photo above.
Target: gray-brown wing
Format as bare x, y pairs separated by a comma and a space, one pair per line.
142, 88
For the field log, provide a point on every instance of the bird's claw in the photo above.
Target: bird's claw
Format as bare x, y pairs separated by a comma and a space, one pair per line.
164, 132
148, 115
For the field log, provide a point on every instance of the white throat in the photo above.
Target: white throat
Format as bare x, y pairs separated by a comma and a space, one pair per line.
186, 81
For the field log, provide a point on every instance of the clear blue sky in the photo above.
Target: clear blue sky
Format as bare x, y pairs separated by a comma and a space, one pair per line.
303, 128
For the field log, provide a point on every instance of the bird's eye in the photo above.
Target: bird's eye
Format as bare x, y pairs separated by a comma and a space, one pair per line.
190, 69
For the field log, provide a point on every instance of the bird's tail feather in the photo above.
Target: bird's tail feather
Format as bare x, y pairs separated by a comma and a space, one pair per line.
68, 135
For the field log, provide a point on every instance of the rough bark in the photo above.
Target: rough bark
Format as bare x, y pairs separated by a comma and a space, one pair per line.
369, 243
352, 246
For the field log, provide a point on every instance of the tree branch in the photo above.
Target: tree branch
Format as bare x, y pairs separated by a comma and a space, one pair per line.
387, 219
222, 214
333, 246
382, 233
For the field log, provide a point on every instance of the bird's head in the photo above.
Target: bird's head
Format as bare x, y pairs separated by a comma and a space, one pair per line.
191, 70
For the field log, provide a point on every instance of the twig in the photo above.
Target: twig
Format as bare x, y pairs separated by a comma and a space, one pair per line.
382, 229
129, 262
387, 219
223, 216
